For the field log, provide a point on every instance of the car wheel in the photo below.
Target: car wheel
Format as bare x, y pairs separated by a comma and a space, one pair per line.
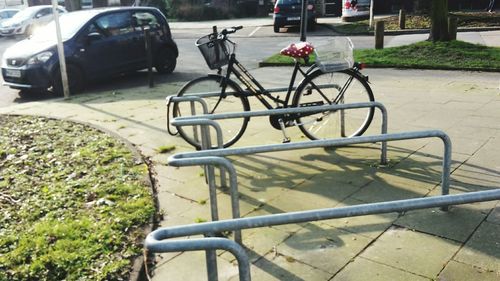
75, 80
276, 28
166, 61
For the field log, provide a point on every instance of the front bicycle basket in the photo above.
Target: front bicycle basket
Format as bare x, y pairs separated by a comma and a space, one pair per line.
214, 50
335, 54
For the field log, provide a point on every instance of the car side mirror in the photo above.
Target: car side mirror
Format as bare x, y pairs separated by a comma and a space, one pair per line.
37, 16
94, 36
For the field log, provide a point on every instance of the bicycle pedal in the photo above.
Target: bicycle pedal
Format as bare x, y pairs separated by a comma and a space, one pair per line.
286, 140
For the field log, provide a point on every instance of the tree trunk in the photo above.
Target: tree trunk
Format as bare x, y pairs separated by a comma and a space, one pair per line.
439, 21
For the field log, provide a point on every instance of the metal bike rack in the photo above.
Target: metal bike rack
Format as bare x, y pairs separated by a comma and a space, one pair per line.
155, 241
192, 100
214, 157
445, 179
196, 158
179, 121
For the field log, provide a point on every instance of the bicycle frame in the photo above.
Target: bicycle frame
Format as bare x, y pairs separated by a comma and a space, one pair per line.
254, 88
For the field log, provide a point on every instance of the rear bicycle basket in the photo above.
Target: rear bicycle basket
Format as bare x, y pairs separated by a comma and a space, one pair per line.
214, 50
335, 54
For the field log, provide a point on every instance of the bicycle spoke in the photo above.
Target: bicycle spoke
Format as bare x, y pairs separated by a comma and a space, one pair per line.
324, 88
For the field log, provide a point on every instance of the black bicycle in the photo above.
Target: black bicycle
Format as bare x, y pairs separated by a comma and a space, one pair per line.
319, 86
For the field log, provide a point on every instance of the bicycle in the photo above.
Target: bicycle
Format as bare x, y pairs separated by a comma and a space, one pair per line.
320, 86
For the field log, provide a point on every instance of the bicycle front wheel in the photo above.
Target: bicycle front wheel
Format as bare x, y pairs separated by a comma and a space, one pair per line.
342, 87
219, 94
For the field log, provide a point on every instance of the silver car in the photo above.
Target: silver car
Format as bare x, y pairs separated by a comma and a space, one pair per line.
27, 20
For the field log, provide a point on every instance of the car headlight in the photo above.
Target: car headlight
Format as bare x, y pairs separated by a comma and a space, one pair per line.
40, 58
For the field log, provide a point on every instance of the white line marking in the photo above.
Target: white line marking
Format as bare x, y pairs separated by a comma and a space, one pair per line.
253, 32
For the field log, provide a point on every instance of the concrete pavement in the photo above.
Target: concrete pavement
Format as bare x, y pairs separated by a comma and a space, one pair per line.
462, 244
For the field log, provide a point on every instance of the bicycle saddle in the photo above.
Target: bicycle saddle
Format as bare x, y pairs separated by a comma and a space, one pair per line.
298, 50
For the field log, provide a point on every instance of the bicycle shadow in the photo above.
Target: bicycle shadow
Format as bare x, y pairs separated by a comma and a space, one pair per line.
407, 165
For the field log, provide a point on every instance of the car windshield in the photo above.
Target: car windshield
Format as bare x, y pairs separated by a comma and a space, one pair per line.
70, 24
23, 15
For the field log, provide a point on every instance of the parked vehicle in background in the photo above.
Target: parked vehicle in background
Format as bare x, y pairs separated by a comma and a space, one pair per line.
98, 43
87, 4
27, 20
6, 14
288, 12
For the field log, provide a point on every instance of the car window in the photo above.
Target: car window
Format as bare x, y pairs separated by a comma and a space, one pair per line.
94, 29
4, 14
115, 24
43, 13
143, 19
290, 2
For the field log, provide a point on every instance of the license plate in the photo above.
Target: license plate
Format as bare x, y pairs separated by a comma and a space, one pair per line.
293, 18
13, 73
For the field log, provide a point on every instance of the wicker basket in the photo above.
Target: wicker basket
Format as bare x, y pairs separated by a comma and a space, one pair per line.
334, 55
214, 50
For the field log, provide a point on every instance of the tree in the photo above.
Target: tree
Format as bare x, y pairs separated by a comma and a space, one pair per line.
439, 21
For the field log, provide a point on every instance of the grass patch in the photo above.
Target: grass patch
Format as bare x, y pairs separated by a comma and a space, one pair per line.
165, 148
72, 202
422, 55
465, 19
439, 55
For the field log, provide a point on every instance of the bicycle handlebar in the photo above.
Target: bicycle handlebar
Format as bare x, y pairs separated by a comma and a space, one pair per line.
230, 30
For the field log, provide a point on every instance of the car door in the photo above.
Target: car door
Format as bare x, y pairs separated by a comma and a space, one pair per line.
128, 43
42, 17
104, 47
142, 20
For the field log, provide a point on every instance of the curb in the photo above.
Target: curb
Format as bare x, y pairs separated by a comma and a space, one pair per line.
410, 31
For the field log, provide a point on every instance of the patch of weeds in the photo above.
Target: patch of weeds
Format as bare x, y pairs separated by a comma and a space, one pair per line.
202, 201
165, 148
452, 55
200, 220
73, 201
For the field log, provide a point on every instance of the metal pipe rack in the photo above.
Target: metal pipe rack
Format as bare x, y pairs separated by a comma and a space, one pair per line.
215, 157
186, 120
155, 241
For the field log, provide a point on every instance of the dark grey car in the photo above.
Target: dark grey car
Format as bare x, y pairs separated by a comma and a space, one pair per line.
288, 12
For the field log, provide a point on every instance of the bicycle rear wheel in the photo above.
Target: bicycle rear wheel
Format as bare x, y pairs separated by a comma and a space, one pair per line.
342, 87
210, 89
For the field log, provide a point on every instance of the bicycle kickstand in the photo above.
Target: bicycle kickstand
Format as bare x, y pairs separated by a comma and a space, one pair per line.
286, 139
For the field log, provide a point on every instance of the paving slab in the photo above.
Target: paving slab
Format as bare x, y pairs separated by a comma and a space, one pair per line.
483, 248
323, 247
494, 216
275, 267
371, 226
412, 251
460, 271
456, 224
190, 266
364, 269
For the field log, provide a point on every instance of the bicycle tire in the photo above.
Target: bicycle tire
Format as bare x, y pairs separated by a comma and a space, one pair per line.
232, 129
324, 125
